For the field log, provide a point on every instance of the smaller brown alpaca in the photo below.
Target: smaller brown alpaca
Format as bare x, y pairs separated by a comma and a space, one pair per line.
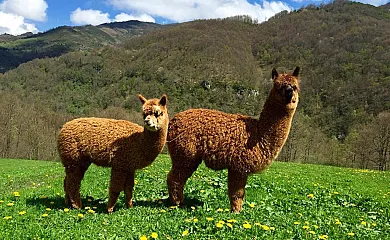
241, 144
122, 145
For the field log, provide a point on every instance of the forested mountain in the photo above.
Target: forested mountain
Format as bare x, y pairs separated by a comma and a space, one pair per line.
15, 50
343, 49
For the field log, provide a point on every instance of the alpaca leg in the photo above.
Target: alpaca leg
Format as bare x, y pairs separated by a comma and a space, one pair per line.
117, 184
67, 198
129, 185
236, 189
72, 183
176, 180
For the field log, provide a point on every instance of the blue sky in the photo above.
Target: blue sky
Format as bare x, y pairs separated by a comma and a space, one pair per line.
19, 16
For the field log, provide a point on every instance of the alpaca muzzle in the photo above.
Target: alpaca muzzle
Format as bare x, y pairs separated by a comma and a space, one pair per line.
150, 124
289, 93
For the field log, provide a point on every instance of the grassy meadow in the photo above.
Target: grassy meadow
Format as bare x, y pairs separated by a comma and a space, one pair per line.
288, 201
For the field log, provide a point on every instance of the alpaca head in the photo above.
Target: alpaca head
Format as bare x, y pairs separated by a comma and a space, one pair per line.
155, 113
286, 88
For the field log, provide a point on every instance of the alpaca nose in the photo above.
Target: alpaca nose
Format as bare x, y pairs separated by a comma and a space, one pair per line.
289, 93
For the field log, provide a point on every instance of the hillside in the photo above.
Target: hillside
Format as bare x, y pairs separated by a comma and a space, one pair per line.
343, 49
15, 50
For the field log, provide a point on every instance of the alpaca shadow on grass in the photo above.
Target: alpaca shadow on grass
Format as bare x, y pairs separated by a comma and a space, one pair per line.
100, 205
166, 203
58, 203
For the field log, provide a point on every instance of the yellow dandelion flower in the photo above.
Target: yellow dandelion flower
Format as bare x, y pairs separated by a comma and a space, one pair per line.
229, 225
232, 221
219, 225
202, 191
1, 201
373, 224
316, 226
300, 214
185, 233
252, 205
265, 227
258, 224
187, 220
48, 209
338, 223
163, 211
7, 217
312, 232
43, 197
364, 223
323, 236
45, 215
16, 194
195, 220
10, 204
173, 207
296, 223
66, 209
219, 210
143, 238
336, 193
22, 212
307, 222
86, 208
247, 225
271, 228
351, 234
227, 210
154, 235
80, 215
311, 195
192, 207
209, 219
91, 211
305, 227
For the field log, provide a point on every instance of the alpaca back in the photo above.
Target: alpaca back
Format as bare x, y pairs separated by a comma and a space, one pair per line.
98, 140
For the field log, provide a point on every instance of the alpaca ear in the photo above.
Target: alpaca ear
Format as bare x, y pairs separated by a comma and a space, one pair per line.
275, 74
163, 100
296, 71
142, 99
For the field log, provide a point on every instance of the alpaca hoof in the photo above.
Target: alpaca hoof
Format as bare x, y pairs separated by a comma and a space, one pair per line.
129, 205
236, 209
110, 210
76, 206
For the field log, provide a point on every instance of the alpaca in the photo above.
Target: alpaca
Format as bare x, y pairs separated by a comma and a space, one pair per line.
239, 143
122, 145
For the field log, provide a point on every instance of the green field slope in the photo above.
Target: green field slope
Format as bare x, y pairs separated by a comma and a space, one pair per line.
288, 201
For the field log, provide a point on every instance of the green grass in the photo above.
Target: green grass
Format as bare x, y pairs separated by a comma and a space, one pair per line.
288, 201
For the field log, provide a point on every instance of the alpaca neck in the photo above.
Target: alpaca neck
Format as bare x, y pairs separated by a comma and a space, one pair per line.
153, 143
273, 128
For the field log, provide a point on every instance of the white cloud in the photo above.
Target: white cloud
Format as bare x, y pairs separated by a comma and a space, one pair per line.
29, 9
122, 17
186, 10
14, 24
94, 17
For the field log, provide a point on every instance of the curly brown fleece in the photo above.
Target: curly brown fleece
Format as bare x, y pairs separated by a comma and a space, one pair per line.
239, 143
122, 145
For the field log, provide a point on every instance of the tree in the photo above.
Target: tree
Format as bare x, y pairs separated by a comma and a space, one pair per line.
372, 144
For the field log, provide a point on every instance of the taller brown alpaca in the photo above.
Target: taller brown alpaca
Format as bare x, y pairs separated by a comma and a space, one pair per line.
239, 143
122, 145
